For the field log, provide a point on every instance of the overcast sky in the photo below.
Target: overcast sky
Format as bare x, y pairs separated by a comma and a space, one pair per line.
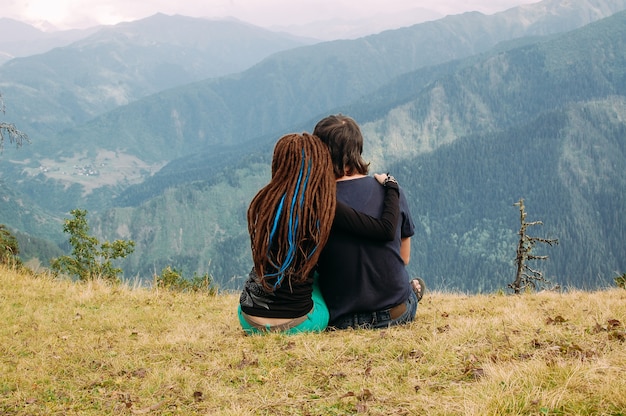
66, 14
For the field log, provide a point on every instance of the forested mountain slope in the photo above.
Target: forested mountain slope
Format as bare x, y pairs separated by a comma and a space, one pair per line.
567, 164
25, 216
192, 215
119, 64
287, 90
544, 122
290, 87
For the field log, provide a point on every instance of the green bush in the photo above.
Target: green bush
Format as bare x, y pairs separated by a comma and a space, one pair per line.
9, 248
172, 279
620, 281
90, 259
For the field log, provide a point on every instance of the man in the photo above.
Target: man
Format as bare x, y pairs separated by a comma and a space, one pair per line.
365, 283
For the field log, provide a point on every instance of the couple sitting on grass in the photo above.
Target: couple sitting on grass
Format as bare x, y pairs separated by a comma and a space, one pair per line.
329, 243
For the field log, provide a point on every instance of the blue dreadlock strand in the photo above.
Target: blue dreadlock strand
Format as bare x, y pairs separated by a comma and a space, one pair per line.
293, 222
277, 218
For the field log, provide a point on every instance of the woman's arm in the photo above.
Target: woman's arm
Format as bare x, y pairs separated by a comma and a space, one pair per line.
362, 225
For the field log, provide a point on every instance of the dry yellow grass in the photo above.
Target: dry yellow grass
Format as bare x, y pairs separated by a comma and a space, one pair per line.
93, 349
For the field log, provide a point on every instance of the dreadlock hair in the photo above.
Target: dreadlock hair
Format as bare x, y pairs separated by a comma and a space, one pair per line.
289, 219
343, 137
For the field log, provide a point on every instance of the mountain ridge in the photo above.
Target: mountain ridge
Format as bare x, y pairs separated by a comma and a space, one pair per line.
412, 120
348, 70
119, 64
19, 39
462, 189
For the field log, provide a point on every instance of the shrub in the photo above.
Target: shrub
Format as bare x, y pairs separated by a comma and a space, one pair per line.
620, 281
172, 279
9, 248
90, 259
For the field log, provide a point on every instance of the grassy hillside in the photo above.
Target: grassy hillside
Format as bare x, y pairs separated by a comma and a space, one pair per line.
93, 349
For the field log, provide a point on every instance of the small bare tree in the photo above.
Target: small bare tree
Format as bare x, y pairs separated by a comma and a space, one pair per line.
15, 135
526, 277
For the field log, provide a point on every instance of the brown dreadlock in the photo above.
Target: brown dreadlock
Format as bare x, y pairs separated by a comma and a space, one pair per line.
289, 219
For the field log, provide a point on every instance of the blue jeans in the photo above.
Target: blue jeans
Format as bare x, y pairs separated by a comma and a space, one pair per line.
379, 319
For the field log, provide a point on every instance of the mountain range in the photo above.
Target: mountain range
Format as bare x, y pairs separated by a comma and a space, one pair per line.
120, 64
18, 39
469, 112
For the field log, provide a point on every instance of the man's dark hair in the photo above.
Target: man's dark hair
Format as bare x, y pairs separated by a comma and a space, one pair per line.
344, 139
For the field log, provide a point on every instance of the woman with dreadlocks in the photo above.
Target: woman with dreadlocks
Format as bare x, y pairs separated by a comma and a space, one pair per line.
289, 221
